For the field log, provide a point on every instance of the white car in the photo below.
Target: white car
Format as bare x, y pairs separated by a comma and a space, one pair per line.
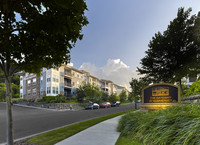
92, 106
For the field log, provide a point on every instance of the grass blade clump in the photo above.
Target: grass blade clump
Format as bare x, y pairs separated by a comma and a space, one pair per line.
175, 125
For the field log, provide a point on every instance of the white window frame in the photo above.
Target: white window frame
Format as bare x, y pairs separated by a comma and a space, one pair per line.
48, 79
34, 81
34, 92
48, 90
29, 82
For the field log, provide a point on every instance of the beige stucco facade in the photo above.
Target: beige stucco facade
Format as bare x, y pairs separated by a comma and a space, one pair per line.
63, 80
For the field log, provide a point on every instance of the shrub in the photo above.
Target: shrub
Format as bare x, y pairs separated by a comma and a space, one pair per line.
193, 89
15, 100
175, 125
38, 100
57, 99
48, 99
113, 98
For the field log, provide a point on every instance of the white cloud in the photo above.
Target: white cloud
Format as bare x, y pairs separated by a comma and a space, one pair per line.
114, 70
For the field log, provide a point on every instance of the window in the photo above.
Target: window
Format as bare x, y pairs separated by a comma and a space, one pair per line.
48, 79
48, 90
28, 92
77, 75
29, 82
73, 84
56, 90
34, 81
34, 92
55, 78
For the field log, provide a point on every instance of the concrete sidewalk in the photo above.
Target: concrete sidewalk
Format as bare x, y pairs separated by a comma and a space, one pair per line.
102, 133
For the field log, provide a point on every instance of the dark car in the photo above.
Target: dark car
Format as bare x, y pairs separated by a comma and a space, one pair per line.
105, 105
92, 106
115, 104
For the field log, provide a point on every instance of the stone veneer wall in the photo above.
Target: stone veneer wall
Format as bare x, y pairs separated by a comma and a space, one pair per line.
31, 87
53, 106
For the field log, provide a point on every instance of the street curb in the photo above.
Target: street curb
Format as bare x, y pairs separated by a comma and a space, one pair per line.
26, 106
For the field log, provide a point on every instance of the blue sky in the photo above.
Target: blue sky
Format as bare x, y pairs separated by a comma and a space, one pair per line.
118, 33
122, 29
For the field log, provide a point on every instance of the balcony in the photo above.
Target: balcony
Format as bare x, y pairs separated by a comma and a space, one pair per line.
68, 85
67, 73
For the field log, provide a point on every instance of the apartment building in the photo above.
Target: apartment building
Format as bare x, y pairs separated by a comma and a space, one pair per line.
63, 80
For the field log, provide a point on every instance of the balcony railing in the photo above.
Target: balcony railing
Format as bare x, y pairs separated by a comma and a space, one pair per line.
68, 84
68, 74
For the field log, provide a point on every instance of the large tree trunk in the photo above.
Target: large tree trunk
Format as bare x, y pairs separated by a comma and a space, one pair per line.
181, 86
9, 111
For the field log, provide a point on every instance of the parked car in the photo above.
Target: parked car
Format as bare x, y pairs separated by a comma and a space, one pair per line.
92, 106
105, 105
115, 104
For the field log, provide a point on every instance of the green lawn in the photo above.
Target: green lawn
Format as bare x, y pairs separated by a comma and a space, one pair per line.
127, 141
57, 135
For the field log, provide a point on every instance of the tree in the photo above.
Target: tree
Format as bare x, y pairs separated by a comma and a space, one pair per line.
36, 34
173, 54
123, 96
131, 96
197, 28
113, 97
104, 97
88, 92
2, 92
140, 85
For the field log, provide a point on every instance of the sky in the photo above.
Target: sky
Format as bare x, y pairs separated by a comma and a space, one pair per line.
118, 33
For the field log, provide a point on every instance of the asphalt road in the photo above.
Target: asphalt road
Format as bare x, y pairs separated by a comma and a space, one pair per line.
29, 121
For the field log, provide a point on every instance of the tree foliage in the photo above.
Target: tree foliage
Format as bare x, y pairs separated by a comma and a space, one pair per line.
113, 97
173, 54
2, 92
88, 92
37, 34
191, 90
123, 96
15, 91
137, 85
104, 97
